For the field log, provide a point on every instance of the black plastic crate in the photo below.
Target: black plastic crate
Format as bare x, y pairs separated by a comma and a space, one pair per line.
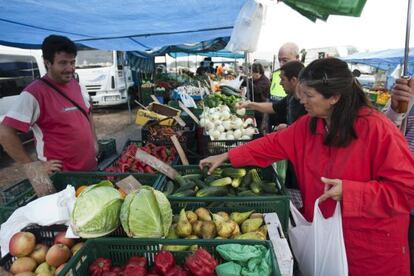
207, 147
43, 234
186, 136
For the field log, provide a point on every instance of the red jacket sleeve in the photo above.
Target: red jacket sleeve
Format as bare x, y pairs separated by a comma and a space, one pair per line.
273, 147
392, 191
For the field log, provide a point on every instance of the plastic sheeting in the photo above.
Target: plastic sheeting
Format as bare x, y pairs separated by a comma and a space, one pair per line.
387, 60
117, 25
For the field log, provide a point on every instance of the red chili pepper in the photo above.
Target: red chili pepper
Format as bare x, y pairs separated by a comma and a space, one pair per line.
201, 263
141, 261
164, 261
110, 273
134, 270
99, 266
148, 169
177, 271
117, 269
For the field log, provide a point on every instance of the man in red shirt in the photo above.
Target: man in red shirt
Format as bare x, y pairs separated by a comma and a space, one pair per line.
54, 108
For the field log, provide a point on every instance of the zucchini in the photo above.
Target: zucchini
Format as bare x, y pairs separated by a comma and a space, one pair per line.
169, 188
189, 186
200, 184
255, 176
217, 172
256, 187
269, 187
212, 191
184, 193
210, 179
192, 176
232, 172
180, 180
221, 182
236, 182
247, 179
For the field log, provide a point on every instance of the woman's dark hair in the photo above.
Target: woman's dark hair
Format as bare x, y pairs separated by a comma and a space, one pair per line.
292, 69
332, 77
54, 44
257, 68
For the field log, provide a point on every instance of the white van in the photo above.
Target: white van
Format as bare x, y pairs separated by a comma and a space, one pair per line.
106, 75
18, 68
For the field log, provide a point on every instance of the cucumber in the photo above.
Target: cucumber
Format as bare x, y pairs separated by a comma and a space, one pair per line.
233, 173
246, 193
189, 186
269, 187
212, 191
221, 182
184, 193
169, 188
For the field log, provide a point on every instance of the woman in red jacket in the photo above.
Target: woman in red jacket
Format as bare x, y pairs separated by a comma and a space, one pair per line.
346, 151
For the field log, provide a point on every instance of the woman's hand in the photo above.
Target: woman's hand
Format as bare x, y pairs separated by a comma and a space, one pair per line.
213, 161
52, 166
333, 189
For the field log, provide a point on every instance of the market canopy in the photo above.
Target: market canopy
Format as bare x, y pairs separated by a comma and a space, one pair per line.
387, 60
117, 25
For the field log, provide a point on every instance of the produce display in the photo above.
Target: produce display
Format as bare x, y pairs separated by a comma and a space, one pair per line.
38, 258
201, 223
220, 124
216, 99
192, 90
162, 133
222, 182
200, 262
128, 163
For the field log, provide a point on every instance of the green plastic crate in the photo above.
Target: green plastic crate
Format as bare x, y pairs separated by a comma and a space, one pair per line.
278, 203
16, 199
119, 250
107, 147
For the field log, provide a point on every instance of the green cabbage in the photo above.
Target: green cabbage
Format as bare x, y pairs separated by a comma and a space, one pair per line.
96, 211
146, 213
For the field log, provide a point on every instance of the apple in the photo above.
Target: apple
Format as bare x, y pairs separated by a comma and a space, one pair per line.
22, 244
39, 253
58, 254
60, 238
23, 264
76, 247
59, 269
45, 268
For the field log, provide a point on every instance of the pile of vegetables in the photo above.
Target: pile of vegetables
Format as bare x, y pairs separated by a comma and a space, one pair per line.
159, 133
192, 90
220, 124
216, 99
203, 224
98, 210
222, 182
128, 163
200, 263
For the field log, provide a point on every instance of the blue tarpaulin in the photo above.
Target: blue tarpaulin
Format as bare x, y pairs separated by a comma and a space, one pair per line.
117, 25
386, 60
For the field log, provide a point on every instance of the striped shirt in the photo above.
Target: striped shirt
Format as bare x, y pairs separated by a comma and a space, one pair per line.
410, 129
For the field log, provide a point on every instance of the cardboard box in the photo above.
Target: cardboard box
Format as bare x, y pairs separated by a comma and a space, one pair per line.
157, 112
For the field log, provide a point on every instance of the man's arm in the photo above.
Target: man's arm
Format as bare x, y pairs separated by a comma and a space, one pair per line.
264, 107
94, 134
12, 144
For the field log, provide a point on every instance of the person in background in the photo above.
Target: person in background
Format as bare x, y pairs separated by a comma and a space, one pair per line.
287, 52
286, 112
211, 68
260, 88
344, 150
403, 90
220, 70
201, 70
62, 124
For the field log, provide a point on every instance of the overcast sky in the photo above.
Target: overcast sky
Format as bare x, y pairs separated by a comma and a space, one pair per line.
381, 26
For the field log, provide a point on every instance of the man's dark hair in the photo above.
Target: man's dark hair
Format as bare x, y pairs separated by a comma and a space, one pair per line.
54, 44
332, 77
292, 69
257, 68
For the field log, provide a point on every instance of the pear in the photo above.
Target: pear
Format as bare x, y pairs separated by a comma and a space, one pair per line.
197, 227
191, 216
240, 217
263, 230
224, 228
172, 232
236, 230
203, 214
224, 215
208, 230
251, 225
256, 215
219, 238
193, 247
251, 236
184, 228
175, 247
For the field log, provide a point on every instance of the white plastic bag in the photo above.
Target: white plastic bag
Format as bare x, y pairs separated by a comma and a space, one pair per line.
319, 247
247, 27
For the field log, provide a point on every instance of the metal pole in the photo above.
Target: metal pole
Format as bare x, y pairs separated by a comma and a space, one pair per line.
407, 38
